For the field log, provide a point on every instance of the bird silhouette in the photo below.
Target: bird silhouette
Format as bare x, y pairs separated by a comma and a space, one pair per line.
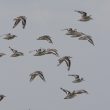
45, 37
16, 53
74, 93
84, 16
65, 59
18, 19
9, 36
37, 73
77, 78
69, 95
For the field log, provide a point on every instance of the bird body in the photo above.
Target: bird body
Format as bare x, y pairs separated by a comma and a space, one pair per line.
40, 52
74, 33
77, 34
70, 31
9, 36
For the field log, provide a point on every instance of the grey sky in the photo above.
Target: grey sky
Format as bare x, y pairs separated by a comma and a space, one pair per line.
91, 62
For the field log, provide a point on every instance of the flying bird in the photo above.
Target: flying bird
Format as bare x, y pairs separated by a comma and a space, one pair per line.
18, 19
87, 37
84, 16
69, 95
15, 53
2, 97
37, 73
9, 36
77, 78
43, 51
45, 37
65, 59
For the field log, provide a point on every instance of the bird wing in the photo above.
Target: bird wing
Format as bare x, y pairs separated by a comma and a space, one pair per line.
52, 51
50, 40
81, 12
23, 23
90, 40
81, 91
42, 76
13, 50
45, 37
32, 76
66, 91
75, 75
68, 63
83, 37
17, 20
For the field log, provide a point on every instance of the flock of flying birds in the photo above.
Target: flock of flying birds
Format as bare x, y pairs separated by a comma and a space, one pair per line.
42, 51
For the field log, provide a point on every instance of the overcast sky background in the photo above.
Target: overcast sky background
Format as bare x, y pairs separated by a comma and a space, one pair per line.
91, 62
